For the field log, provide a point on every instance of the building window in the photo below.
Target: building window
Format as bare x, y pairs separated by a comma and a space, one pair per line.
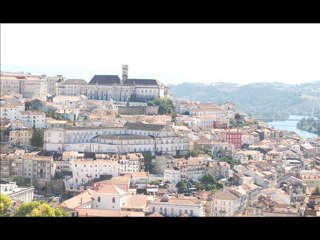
99, 199
172, 212
191, 212
113, 200
161, 210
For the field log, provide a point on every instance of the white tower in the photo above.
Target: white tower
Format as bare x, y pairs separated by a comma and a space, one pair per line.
124, 72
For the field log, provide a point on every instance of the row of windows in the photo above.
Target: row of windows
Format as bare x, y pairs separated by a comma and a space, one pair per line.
113, 200
165, 211
95, 166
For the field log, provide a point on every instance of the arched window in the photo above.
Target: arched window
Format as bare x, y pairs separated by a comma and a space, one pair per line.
153, 209
99, 199
165, 211
113, 200
161, 210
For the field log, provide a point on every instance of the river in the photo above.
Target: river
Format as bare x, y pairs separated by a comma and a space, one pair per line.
292, 126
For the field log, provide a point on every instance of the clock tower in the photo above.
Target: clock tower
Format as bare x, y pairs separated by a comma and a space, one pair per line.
124, 73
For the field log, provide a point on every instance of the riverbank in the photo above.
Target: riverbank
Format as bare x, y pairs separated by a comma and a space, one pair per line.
309, 125
290, 125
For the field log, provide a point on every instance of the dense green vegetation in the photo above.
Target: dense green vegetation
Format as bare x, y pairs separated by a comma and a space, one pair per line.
28, 105
260, 100
230, 160
183, 186
147, 161
156, 182
207, 183
19, 180
39, 209
197, 152
5, 204
310, 125
37, 137
165, 105
54, 114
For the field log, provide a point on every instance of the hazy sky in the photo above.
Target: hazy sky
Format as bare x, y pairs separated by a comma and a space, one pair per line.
172, 53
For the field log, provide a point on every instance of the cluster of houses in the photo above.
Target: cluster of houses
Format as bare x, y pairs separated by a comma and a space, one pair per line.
101, 137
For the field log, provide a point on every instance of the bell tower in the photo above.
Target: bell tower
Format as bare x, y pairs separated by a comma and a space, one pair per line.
124, 73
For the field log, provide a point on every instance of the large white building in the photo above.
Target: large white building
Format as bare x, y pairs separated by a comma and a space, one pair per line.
33, 119
193, 168
225, 204
38, 167
108, 196
23, 194
11, 111
29, 85
52, 83
219, 169
172, 175
107, 87
133, 137
33, 87
128, 163
174, 207
245, 156
84, 171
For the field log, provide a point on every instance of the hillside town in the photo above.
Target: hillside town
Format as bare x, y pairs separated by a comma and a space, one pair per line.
115, 146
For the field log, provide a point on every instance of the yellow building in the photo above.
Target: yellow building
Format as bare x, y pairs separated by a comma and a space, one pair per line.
20, 137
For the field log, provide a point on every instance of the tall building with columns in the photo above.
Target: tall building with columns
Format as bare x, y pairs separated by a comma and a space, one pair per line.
107, 87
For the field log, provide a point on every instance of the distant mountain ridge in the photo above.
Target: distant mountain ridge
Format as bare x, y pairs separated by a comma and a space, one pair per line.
261, 100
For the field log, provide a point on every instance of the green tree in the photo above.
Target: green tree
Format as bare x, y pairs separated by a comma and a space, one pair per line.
39, 209
60, 213
5, 131
182, 187
42, 210
237, 117
208, 182
25, 209
194, 153
5, 204
19, 180
174, 117
58, 175
37, 137
233, 122
156, 182
28, 105
230, 160
54, 114
165, 105
147, 160
208, 179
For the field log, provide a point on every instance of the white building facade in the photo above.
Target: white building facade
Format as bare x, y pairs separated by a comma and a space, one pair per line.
33, 119
174, 207
133, 137
11, 110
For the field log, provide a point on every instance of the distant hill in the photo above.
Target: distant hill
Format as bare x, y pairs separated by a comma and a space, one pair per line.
261, 100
